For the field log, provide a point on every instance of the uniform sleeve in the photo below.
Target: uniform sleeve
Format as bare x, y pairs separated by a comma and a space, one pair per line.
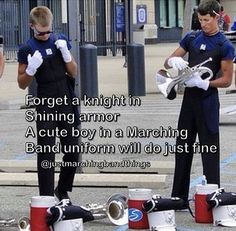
184, 43
228, 51
23, 54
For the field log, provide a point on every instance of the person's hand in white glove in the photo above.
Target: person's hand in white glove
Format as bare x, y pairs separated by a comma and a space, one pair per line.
177, 63
34, 62
62, 46
196, 81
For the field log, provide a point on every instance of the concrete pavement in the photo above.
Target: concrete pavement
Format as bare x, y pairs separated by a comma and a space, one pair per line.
154, 111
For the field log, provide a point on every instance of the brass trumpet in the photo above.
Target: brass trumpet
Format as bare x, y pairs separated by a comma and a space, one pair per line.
166, 83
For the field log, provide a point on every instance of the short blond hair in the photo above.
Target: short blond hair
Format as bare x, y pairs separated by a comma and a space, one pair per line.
41, 15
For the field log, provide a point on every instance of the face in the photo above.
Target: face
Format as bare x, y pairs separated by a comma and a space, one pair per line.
208, 23
41, 32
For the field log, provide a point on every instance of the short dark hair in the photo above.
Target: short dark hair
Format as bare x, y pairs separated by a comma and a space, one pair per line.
211, 7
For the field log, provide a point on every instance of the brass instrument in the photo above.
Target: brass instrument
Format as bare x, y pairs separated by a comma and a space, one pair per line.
166, 83
23, 224
6, 222
115, 209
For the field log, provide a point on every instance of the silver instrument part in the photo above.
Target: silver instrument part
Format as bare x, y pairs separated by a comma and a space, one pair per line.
166, 83
23, 224
8, 222
115, 209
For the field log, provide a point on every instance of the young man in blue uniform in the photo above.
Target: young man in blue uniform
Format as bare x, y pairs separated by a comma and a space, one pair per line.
199, 113
46, 57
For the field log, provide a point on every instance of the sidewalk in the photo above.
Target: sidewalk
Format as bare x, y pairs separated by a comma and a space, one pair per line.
112, 76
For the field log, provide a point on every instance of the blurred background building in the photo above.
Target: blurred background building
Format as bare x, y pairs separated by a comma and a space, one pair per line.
108, 24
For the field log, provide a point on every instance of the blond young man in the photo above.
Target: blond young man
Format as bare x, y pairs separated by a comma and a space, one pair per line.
46, 57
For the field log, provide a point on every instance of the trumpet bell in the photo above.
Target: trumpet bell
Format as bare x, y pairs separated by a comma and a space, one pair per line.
117, 209
164, 84
24, 224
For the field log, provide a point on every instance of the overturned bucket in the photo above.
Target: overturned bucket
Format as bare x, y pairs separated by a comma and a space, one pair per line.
162, 220
69, 225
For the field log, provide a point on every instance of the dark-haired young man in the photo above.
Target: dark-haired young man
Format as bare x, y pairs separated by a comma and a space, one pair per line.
200, 107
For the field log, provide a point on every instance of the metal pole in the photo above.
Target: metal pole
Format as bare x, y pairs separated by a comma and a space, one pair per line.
1, 44
74, 37
136, 69
128, 25
129, 21
88, 71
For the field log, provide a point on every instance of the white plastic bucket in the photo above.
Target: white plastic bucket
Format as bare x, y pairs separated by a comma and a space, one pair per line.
162, 220
225, 215
69, 225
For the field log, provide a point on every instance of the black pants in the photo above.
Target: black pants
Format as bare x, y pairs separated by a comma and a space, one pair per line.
46, 175
196, 119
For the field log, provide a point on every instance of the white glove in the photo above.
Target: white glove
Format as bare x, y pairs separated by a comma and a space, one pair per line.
197, 81
177, 63
34, 62
62, 46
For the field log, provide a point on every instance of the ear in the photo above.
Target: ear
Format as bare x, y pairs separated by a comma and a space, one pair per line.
217, 17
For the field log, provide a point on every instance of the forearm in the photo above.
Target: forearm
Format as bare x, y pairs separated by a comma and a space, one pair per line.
24, 80
221, 82
226, 77
235, 78
71, 68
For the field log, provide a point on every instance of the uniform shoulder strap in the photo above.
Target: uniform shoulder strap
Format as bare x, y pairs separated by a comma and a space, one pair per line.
192, 36
57, 36
31, 45
222, 41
